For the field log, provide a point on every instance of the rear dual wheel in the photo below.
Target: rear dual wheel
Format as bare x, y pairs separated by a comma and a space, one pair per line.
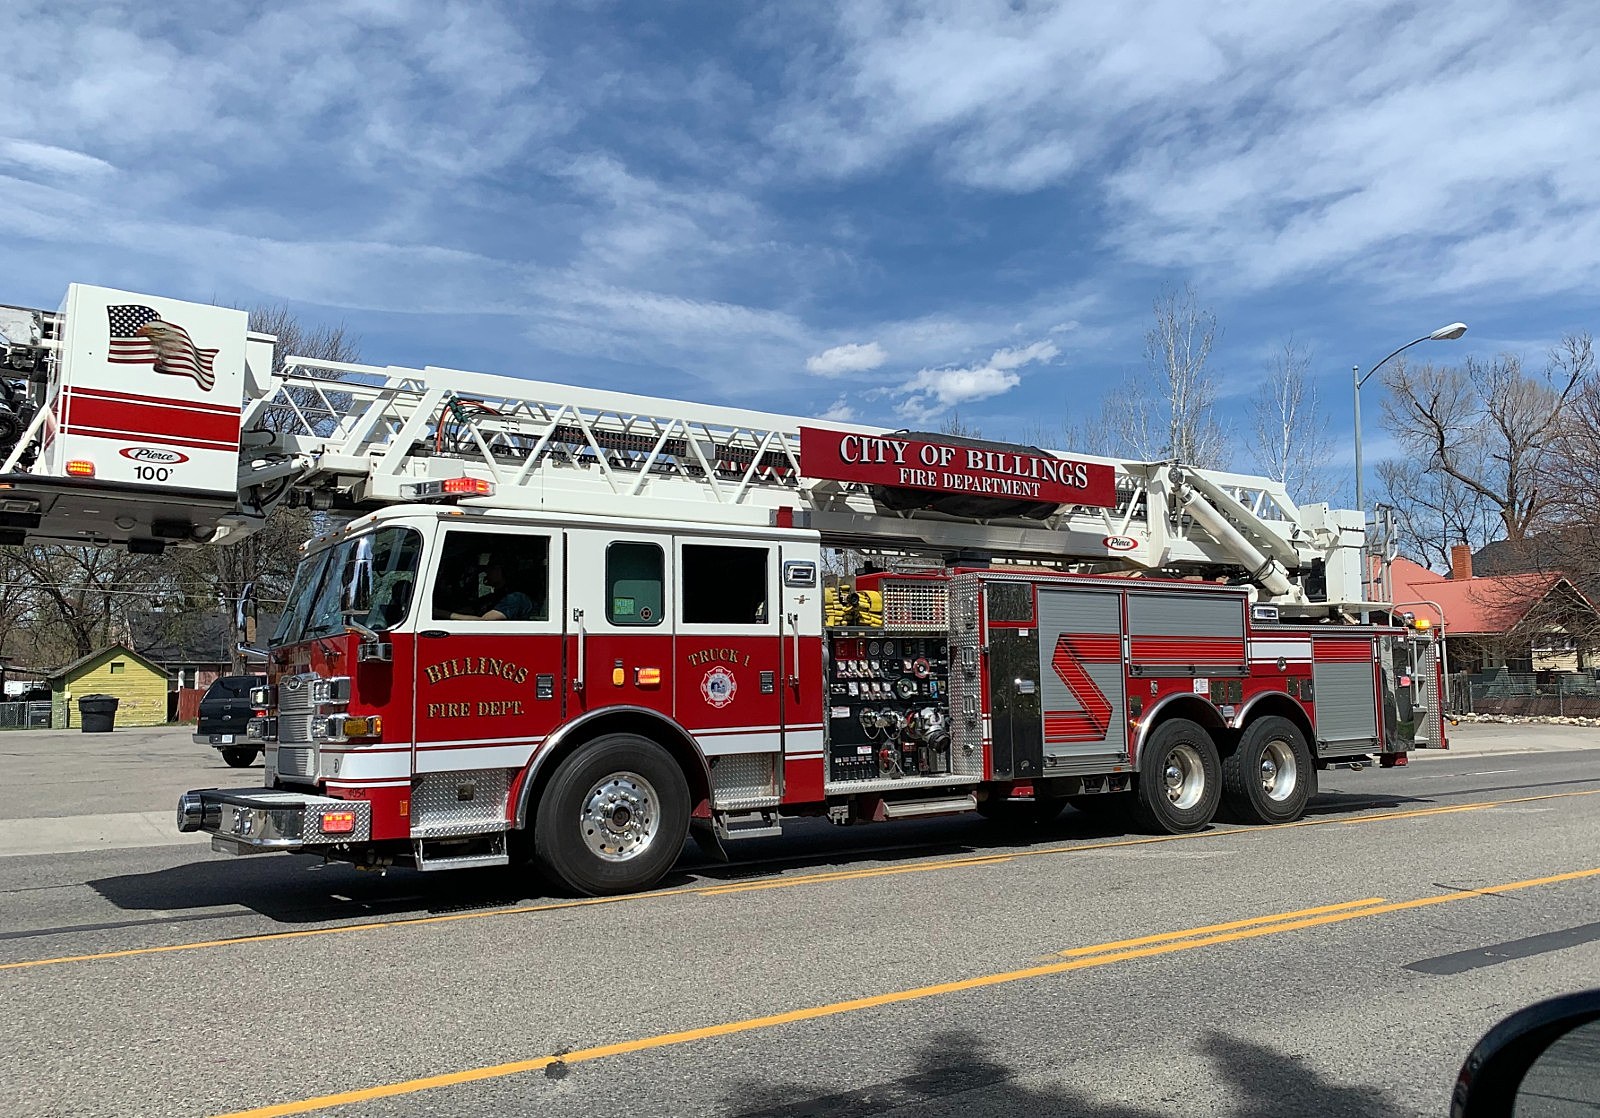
1270, 775
1180, 779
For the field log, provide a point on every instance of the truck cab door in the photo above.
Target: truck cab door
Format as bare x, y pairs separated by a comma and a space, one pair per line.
620, 625
486, 688
731, 678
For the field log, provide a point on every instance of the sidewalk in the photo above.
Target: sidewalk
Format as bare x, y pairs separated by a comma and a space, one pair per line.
1479, 739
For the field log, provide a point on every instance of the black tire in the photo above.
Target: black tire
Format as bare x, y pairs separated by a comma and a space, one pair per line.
1187, 751
1014, 813
240, 756
1270, 776
571, 827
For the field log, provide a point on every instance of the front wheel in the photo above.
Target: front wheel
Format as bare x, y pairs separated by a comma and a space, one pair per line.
1180, 779
1270, 775
240, 756
613, 818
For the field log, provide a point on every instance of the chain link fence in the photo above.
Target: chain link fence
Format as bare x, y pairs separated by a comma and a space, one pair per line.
25, 716
1575, 694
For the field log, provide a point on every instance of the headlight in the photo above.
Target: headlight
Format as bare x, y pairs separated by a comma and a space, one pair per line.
260, 696
335, 690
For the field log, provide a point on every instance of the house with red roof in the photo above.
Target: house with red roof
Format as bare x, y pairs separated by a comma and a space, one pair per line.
1533, 621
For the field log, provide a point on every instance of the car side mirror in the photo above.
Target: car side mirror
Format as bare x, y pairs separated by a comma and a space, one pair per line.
1541, 1062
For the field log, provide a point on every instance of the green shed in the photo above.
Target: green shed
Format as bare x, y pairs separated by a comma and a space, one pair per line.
140, 686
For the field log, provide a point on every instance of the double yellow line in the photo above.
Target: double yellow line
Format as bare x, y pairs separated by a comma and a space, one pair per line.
1078, 958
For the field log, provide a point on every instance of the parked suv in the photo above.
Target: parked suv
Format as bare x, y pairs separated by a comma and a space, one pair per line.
225, 711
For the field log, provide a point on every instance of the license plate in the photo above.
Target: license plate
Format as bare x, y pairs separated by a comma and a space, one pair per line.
221, 739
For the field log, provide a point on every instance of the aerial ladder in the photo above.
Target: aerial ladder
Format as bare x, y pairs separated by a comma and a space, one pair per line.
349, 437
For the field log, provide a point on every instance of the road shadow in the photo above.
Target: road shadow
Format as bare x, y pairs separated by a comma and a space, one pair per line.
954, 1074
291, 889
1348, 803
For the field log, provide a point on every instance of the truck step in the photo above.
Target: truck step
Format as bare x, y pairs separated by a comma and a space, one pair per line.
748, 825
450, 856
944, 805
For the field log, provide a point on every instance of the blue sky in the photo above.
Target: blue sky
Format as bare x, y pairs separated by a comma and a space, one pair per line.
883, 211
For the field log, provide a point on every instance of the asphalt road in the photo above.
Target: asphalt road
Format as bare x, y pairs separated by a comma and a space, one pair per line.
1342, 966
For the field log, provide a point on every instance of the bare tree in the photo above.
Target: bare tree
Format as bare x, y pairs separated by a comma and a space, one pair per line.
1434, 511
83, 598
1289, 438
265, 560
953, 425
1169, 412
322, 409
1572, 545
1489, 425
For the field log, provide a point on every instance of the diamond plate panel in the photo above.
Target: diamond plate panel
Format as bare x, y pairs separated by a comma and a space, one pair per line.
914, 605
900, 784
744, 780
438, 810
361, 809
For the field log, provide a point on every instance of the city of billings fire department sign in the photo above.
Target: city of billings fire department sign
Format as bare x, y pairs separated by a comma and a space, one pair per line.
903, 462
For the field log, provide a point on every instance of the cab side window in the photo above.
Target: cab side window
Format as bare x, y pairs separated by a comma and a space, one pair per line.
724, 585
635, 582
493, 576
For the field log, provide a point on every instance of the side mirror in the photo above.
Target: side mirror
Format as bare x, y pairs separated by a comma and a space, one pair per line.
1541, 1062
245, 611
356, 598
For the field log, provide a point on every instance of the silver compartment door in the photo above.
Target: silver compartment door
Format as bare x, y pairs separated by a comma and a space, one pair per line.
1083, 679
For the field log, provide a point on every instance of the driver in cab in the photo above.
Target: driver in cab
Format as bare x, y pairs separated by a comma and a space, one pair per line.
504, 604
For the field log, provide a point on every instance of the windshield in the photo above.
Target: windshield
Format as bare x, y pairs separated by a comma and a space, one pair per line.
318, 590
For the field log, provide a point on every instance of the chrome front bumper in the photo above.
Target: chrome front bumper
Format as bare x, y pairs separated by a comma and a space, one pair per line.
259, 820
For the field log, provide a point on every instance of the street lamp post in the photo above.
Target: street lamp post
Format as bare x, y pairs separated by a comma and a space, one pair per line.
1443, 334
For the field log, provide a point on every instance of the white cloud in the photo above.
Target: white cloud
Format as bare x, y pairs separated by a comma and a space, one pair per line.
1016, 358
1368, 138
931, 391
849, 358
51, 159
840, 411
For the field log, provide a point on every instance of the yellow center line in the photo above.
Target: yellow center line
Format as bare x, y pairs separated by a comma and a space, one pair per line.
1229, 926
1105, 956
774, 883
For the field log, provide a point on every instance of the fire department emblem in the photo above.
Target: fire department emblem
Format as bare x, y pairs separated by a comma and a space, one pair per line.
719, 687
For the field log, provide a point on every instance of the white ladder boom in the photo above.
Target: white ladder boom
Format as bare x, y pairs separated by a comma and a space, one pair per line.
358, 436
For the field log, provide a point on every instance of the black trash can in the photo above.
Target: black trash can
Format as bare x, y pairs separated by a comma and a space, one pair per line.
98, 713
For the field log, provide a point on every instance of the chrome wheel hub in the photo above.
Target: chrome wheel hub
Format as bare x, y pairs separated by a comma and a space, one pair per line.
619, 817
1279, 772
1185, 777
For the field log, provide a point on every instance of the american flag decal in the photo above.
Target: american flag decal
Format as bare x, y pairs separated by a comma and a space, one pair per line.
140, 337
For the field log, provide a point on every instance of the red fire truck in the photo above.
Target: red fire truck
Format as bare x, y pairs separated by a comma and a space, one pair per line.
574, 627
